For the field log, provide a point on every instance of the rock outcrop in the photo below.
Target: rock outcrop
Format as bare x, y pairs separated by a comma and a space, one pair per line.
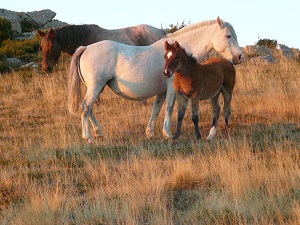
24, 22
261, 54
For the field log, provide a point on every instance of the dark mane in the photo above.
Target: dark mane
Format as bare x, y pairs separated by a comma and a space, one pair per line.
72, 36
189, 55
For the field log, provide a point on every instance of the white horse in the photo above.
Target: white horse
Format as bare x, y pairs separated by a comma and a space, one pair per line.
136, 72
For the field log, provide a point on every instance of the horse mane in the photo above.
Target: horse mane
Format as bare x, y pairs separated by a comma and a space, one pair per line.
70, 36
191, 27
198, 25
190, 56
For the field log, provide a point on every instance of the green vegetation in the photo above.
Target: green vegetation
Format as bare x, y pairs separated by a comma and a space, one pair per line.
24, 50
271, 44
5, 30
172, 28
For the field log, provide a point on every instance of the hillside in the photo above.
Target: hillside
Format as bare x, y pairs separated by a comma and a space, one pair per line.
48, 175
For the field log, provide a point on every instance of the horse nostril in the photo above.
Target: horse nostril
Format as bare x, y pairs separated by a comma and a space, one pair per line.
240, 58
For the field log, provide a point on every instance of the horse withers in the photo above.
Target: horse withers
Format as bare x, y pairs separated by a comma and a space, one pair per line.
196, 82
69, 38
136, 72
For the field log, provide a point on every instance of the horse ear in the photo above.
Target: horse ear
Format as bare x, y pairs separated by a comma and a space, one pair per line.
41, 33
52, 33
177, 46
220, 22
167, 45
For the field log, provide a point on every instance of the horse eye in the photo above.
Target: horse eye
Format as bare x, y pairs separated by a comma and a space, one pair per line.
228, 35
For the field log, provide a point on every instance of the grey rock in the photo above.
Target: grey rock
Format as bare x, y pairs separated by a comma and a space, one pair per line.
41, 17
13, 62
268, 59
30, 65
285, 51
54, 24
257, 50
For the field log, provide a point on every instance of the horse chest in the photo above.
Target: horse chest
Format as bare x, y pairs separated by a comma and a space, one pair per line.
185, 86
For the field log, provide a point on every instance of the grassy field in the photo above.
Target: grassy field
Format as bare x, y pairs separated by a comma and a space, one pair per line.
48, 175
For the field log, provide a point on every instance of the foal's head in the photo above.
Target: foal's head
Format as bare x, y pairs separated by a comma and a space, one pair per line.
176, 59
50, 49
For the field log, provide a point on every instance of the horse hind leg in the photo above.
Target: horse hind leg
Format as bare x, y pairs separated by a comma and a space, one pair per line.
88, 115
182, 105
227, 95
216, 114
195, 117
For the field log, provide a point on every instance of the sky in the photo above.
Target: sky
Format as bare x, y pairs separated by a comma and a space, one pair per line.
252, 20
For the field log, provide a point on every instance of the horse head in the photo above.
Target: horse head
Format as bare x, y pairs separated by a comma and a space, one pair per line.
171, 56
225, 42
50, 49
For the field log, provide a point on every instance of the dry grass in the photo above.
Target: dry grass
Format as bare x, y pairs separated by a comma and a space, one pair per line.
48, 175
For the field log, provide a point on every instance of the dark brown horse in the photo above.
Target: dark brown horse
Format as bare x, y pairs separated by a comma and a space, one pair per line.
70, 37
198, 82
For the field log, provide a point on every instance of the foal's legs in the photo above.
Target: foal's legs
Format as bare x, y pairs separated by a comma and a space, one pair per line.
216, 113
159, 101
227, 95
195, 116
182, 105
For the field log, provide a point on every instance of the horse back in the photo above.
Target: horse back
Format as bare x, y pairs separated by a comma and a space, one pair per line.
223, 67
143, 35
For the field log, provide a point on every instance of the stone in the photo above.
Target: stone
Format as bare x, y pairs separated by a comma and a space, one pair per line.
13, 62
41, 17
285, 52
268, 59
54, 24
257, 50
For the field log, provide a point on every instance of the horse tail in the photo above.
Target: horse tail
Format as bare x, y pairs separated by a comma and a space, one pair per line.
74, 91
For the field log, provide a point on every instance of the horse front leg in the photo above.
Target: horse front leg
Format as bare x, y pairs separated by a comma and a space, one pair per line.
195, 117
159, 101
182, 105
170, 101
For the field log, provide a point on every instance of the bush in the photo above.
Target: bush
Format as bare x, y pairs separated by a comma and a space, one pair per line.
5, 30
18, 48
172, 28
271, 44
24, 50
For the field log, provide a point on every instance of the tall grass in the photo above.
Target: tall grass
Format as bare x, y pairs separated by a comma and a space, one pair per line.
48, 175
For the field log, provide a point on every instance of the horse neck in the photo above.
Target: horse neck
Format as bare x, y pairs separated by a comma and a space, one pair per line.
196, 39
70, 38
186, 64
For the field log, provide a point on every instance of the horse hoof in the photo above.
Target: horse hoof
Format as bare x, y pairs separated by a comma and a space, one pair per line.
88, 140
167, 135
209, 137
149, 133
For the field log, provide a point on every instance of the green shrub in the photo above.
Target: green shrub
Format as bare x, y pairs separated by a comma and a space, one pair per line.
172, 28
18, 48
271, 44
5, 30
25, 50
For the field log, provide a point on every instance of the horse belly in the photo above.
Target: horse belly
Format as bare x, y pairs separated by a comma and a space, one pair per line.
137, 89
139, 76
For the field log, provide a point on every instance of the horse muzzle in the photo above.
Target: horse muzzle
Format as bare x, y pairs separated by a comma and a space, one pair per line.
48, 69
167, 73
238, 59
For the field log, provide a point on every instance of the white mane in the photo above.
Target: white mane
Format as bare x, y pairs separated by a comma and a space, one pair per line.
198, 25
